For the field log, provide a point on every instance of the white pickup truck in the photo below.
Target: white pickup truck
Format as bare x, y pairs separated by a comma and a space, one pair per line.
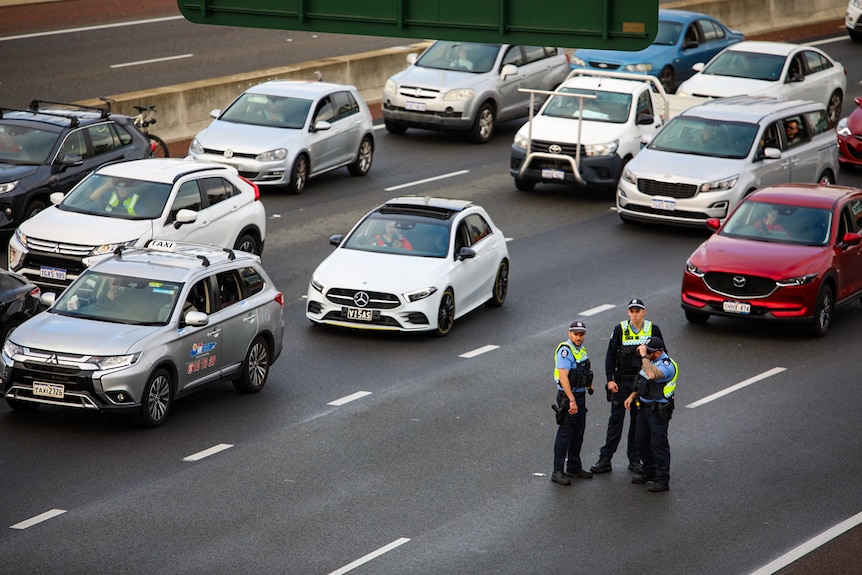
589, 128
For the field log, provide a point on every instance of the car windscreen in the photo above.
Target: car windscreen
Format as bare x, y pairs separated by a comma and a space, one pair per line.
668, 33
753, 65
117, 197
20, 145
119, 299
460, 56
402, 235
612, 107
266, 110
706, 137
781, 223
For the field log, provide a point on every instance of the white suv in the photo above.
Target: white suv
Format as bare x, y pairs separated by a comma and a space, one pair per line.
853, 20
128, 203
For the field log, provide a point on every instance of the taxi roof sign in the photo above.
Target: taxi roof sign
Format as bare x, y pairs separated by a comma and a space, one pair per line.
610, 24
161, 246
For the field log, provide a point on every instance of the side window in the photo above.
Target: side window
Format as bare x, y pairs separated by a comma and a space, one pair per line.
534, 53
251, 281
644, 104
188, 197
477, 228
74, 144
216, 189
123, 134
461, 239
229, 291
345, 104
795, 131
325, 111
796, 68
819, 122
513, 56
103, 138
199, 298
771, 137
711, 31
815, 62
855, 207
691, 34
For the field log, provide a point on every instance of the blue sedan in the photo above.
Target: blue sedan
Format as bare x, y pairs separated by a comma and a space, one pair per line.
683, 39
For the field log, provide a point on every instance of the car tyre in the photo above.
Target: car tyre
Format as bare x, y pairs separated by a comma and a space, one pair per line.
833, 108
394, 127
33, 208
247, 243
255, 368
157, 400
501, 285
483, 127
854, 35
362, 164
298, 175
824, 308
445, 313
697, 317
666, 77
524, 185
827, 178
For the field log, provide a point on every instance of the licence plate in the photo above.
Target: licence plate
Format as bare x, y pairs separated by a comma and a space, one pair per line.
360, 314
736, 307
52, 273
415, 106
661, 204
48, 390
550, 174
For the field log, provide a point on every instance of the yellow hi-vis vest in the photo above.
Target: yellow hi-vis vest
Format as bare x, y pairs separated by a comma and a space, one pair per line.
579, 356
128, 204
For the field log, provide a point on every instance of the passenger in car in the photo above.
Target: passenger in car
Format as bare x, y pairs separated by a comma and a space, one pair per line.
392, 237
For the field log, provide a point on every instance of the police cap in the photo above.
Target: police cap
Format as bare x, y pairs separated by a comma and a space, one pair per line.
578, 327
636, 303
654, 344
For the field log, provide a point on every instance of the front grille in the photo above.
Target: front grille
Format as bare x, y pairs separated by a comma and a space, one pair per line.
724, 284
235, 154
417, 92
71, 378
566, 148
670, 189
58, 248
604, 65
376, 299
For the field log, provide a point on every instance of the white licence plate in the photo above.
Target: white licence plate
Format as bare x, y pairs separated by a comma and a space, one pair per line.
415, 106
736, 307
52, 273
48, 390
550, 174
661, 204
360, 314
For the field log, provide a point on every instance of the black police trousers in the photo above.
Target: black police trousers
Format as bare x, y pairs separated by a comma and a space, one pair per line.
653, 445
567, 446
616, 422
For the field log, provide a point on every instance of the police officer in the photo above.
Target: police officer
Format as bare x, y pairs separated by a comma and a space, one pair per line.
655, 388
574, 379
621, 366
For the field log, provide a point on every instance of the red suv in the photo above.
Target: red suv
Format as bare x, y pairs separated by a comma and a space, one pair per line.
788, 252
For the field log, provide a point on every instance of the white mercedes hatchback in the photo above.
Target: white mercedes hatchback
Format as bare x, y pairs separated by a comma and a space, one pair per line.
412, 264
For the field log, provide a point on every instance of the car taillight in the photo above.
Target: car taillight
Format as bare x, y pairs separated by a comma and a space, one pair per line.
279, 299
253, 185
36, 292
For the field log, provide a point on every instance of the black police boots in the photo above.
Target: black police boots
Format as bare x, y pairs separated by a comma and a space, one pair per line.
560, 477
602, 466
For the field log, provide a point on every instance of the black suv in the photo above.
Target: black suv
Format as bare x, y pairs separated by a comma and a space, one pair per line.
51, 146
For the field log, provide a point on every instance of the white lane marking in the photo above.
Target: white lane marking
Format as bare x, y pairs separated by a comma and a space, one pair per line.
38, 519
598, 309
479, 351
370, 556
809, 546
737, 387
152, 61
349, 398
426, 180
90, 28
207, 452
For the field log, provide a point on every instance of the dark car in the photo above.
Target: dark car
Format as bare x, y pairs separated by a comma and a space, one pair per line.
850, 137
51, 146
19, 301
788, 252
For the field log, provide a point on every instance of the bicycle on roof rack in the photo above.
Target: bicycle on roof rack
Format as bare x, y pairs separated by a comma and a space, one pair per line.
146, 117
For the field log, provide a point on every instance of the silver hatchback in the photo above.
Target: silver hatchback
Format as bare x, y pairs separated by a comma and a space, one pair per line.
144, 327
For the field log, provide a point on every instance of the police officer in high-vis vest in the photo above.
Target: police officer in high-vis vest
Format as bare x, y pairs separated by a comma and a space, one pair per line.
621, 366
574, 379
655, 388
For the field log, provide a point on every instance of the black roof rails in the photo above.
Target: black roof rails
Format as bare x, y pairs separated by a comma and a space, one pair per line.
73, 120
103, 112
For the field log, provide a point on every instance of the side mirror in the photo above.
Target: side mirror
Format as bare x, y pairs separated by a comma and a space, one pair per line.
321, 126
69, 160
698, 67
336, 240
47, 298
57, 197
412, 57
185, 216
851, 239
645, 119
196, 319
215, 113
508, 70
466, 254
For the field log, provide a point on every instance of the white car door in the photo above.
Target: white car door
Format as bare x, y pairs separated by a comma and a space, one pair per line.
326, 145
473, 278
216, 201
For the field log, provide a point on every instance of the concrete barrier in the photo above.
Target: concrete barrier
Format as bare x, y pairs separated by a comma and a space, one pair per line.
183, 109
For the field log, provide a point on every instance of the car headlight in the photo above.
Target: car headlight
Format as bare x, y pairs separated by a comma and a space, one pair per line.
11, 349
644, 68
577, 62
521, 141
693, 269
608, 149
8, 186
272, 155
629, 177
21, 236
108, 248
195, 147
719, 185
796, 281
459, 94
420, 294
104, 362
681, 92
843, 128
390, 86
316, 284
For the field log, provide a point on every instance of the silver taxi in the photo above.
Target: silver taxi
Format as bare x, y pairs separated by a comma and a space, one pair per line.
144, 327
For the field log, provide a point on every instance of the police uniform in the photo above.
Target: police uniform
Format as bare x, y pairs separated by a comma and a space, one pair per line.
656, 399
570, 432
127, 204
621, 366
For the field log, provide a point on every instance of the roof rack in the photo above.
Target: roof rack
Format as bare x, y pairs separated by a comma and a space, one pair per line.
103, 112
73, 120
